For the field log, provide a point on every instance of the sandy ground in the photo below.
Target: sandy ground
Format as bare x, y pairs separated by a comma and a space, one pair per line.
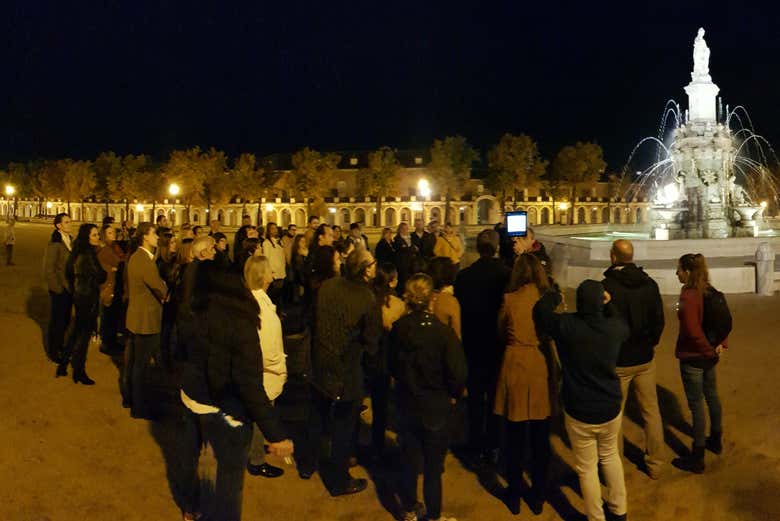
70, 452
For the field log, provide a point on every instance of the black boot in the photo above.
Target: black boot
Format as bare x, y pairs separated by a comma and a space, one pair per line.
715, 442
694, 462
82, 378
512, 500
62, 370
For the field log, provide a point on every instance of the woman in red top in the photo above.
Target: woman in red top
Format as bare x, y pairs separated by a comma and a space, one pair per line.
698, 359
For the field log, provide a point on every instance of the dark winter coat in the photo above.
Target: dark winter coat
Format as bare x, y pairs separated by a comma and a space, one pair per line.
429, 367
348, 326
636, 297
424, 244
480, 292
86, 276
385, 252
225, 366
588, 344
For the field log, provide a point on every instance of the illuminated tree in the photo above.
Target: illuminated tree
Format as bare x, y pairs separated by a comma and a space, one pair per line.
380, 179
515, 164
450, 166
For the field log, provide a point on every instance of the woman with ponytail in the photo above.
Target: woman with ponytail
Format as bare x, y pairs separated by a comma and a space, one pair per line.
698, 358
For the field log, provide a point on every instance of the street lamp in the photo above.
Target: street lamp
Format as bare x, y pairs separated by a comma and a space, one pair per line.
424, 191
424, 188
10, 191
563, 207
174, 189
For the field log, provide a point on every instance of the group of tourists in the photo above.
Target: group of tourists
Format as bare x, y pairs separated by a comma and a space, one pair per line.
274, 345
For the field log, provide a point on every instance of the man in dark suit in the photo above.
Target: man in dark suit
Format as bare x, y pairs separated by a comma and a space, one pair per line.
146, 294
480, 290
423, 240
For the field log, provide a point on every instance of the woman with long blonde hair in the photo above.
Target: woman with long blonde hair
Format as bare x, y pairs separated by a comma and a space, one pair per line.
698, 357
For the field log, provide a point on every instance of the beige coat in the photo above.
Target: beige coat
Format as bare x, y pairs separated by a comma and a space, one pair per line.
57, 254
449, 246
146, 291
447, 309
523, 391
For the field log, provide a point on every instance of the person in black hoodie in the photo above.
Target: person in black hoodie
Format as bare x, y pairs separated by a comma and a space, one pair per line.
636, 297
588, 344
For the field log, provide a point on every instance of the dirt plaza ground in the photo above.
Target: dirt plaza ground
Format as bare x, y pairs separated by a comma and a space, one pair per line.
70, 452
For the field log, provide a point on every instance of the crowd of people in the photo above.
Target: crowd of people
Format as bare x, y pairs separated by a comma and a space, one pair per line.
274, 344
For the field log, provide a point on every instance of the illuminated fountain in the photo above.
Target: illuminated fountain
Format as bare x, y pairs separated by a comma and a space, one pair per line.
702, 198
704, 186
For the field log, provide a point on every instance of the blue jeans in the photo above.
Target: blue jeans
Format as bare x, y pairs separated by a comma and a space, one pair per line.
700, 385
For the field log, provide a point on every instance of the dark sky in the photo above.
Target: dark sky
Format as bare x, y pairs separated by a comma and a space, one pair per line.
139, 77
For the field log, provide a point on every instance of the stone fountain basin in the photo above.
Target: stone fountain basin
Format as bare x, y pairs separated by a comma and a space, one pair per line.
579, 256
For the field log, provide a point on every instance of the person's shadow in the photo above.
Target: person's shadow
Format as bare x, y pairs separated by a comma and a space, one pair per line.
672, 418
37, 307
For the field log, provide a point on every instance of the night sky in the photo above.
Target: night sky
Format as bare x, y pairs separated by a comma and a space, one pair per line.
138, 77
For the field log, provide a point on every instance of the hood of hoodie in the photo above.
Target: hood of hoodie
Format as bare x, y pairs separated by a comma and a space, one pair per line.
629, 275
590, 298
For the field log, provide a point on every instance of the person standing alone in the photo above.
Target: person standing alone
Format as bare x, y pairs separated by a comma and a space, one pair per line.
10, 240
636, 297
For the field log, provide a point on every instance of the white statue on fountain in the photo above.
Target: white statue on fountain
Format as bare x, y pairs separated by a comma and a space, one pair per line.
701, 59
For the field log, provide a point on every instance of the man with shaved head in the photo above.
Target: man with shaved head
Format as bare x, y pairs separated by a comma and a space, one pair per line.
635, 295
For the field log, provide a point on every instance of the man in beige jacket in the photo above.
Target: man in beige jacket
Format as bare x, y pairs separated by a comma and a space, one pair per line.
146, 294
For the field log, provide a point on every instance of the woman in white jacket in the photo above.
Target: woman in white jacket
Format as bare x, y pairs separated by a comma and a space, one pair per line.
258, 276
274, 252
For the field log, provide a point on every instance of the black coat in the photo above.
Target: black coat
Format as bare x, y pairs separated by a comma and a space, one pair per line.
225, 366
424, 244
348, 326
385, 252
429, 367
480, 292
636, 297
588, 343
404, 255
86, 276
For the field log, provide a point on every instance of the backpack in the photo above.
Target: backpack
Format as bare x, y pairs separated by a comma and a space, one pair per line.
717, 317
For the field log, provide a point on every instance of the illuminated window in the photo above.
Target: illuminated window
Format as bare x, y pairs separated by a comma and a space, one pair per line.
417, 160
353, 161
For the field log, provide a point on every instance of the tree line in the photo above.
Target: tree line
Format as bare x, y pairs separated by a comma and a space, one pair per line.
209, 177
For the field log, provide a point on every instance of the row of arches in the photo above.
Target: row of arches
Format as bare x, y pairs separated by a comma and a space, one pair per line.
485, 210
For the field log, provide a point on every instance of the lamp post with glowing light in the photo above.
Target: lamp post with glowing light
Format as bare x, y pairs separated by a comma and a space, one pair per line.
173, 191
424, 192
9, 192
563, 207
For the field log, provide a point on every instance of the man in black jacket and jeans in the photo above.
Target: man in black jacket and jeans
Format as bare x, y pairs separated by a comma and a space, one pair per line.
636, 297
